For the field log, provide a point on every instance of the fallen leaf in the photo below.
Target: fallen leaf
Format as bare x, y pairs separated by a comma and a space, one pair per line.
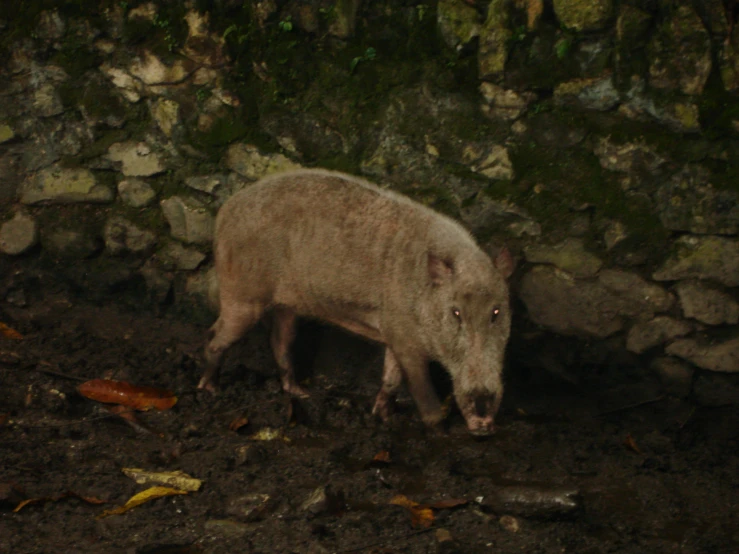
238, 423
68, 494
421, 516
144, 496
269, 434
382, 456
126, 394
9, 332
176, 479
630, 443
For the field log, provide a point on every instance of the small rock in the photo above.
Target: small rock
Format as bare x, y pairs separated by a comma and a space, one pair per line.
675, 374
137, 193
583, 16
714, 355
596, 93
250, 507
639, 291
493, 162
569, 255
614, 234
189, 219
702, 257
47, 102
182, 258
137, 159
60, 185
627, 157
166, 114
152, 71
503, 103
458, 23
18, 234
248, 161
495, 35
201, 45
557, 301
130, 88
510, 524
707, 304
322, 500
121, 236
443, 535
316, 502
210, 184
645, 335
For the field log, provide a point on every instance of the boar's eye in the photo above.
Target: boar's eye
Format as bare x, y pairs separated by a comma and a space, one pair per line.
457, 314
494, 315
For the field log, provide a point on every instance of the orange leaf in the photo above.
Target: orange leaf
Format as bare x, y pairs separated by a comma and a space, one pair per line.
238, 423
421, 516
382, 456
120, 392
9, 332
630, 443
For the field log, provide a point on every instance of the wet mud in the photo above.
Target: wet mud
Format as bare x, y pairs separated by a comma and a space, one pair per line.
599, 466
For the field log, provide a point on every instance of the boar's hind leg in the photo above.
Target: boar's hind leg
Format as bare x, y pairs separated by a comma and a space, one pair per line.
232, 323
283, 334
392, 377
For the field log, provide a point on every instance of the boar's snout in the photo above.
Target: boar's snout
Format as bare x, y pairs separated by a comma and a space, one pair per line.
479, 412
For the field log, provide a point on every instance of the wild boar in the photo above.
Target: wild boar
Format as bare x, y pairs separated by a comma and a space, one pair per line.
333, 247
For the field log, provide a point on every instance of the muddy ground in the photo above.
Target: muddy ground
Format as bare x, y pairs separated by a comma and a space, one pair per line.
572, 468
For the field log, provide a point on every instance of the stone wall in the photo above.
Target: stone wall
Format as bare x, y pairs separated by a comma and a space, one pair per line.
598, 139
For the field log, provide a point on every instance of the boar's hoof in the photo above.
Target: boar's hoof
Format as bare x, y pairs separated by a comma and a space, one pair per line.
383, 407
208, 384
296, 390
433, 419
480, 426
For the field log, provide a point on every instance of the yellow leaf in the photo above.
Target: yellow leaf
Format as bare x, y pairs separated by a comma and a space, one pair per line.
176, 479
144, 496
269, 434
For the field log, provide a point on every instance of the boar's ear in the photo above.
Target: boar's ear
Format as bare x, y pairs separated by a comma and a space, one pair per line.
440, 270
504, 262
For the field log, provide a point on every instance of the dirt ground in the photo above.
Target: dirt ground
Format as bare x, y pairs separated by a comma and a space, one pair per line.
572, 468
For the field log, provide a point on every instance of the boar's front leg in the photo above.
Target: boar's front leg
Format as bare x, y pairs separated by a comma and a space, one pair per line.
415, 368
283, 334
234, 320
